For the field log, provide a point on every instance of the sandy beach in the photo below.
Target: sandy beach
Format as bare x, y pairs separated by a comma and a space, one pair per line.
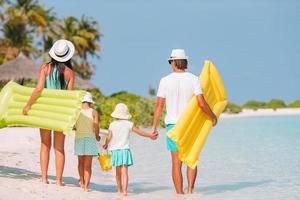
20, 174
244, 158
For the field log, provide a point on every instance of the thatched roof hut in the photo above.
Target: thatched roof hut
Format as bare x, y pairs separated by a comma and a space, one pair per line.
22, 69
19, 69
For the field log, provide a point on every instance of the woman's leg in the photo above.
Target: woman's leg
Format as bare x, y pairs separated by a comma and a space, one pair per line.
59, 148
81, 170
45, 153
118, 179
191, 177
87, 171
176, 172
124, 171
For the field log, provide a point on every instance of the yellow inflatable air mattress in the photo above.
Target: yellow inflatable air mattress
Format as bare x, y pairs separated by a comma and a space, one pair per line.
193, 126
55, 109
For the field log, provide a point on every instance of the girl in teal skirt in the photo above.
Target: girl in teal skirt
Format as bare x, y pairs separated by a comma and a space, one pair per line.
86, 137
118, 141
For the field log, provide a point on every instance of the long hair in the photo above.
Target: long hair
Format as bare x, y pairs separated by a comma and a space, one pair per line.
61, 69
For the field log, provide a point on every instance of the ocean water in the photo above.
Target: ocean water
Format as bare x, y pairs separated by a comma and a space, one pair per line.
243, 159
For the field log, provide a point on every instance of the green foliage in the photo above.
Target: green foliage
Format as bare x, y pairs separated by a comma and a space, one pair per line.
151, 91
28, 27
253, 104
233, 108
276, 103
30, 83
141, 109
295, 104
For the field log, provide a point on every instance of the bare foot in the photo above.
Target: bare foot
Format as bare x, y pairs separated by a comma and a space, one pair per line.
59, 183
120, 191
125, 193
45, 181
180, 193
191, 191
87, 190
81, 184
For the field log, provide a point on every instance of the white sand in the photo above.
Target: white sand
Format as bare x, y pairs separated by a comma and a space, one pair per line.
20, 174
264, 112
20, 171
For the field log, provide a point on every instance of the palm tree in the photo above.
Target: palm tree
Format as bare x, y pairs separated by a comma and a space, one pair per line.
21, 20
89, 30
84, 33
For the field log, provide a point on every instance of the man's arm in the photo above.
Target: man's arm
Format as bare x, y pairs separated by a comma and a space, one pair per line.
205, 107
160, 104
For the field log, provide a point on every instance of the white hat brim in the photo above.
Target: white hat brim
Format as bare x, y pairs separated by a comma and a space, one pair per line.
66, 57
178, 58
89, 101
120, 116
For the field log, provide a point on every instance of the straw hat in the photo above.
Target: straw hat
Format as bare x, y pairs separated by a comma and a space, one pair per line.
178, 54
121, 112
62, 50
88, 98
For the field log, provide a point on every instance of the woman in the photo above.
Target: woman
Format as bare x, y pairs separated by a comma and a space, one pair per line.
57, 74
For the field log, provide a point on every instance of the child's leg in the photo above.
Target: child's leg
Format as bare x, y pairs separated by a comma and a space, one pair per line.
87, 171
176, 172
124, 171
191, 177
118, 179
81, 170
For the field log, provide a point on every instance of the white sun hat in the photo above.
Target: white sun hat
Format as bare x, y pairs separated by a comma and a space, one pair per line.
121, 112
178, 54
88, 98
62, 50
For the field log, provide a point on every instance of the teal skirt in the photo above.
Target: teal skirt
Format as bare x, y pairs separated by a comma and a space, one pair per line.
86, 146
121, 157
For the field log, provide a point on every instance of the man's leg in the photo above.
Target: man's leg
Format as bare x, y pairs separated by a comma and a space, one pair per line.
176, 172
191, 177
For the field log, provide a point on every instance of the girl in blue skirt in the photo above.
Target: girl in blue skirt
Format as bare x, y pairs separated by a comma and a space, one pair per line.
87, 132
118, 141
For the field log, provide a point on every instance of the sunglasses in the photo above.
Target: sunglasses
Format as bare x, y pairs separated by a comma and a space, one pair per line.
170, 61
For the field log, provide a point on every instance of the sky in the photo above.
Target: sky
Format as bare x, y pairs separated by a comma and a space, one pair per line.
255, 44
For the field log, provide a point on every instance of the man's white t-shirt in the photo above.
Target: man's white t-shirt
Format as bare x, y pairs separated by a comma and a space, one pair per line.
121, 130
178, 89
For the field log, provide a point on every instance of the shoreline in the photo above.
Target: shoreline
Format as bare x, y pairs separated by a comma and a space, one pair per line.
263, 113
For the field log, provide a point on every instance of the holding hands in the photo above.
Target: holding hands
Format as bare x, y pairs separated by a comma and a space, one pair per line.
153, 135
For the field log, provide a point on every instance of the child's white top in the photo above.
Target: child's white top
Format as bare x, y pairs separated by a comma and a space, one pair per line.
178, 89
120, 134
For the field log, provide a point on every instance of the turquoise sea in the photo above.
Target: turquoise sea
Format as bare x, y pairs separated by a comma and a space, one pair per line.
243, 159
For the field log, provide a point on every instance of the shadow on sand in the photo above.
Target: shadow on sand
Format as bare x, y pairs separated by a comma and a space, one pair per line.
24, 174
146, 187
214, 189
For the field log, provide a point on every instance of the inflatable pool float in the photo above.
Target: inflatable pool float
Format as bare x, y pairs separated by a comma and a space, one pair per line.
193, 126
55, 110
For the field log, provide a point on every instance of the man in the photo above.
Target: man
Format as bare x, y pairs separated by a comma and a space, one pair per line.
175, 91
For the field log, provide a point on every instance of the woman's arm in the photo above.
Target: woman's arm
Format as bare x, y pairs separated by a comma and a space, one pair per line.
71, 80
96, 125
160, 104
37, 91
205, 107
140, 132
108, 138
